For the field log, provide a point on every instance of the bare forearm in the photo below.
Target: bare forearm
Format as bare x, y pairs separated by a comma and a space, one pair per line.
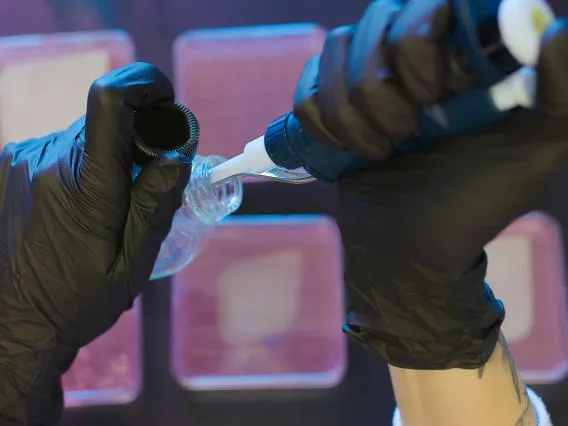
494, 395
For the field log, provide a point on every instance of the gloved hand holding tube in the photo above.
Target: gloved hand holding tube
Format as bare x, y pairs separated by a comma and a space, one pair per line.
78, 237
491, 42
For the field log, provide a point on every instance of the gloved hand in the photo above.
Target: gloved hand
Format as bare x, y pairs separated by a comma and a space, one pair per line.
414, 229
78, 239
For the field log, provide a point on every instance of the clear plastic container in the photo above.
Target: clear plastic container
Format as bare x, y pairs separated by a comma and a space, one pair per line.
204, 205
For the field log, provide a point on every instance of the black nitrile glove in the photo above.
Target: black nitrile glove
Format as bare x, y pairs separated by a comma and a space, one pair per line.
78, 239
414, 229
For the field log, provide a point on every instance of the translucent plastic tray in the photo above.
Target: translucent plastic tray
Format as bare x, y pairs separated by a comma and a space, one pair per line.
45, 79
237, 80
526, 270
262, 307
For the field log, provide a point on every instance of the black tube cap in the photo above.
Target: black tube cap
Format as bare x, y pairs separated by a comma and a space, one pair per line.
164, 127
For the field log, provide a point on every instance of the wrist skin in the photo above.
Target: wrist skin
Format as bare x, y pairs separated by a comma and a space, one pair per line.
492, 395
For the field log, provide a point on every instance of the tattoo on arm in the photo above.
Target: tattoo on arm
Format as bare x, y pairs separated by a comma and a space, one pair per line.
507, 358
526, 418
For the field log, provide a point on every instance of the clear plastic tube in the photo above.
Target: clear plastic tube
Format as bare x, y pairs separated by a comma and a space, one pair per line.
204, 205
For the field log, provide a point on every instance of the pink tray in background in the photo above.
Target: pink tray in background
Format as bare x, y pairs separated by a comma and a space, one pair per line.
237, 80
45, 79
526, 270
108, 370
262, 307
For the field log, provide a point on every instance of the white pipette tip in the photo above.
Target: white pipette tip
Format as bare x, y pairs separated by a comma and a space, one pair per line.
518, 89
254, 159
522, 24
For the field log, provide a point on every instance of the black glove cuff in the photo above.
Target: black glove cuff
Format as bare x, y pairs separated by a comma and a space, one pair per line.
445, 322
30, 388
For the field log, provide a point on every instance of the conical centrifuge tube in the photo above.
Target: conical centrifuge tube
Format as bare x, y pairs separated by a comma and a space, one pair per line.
204, 205
172, 127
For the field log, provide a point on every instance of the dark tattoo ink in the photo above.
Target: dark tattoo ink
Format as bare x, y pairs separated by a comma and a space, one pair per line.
526, 418
508, 360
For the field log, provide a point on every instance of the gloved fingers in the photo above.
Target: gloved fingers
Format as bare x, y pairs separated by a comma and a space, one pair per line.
156, 196
105, 172
371, 83
332, 100
416, 48
111, 104
552, 70
305, 108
